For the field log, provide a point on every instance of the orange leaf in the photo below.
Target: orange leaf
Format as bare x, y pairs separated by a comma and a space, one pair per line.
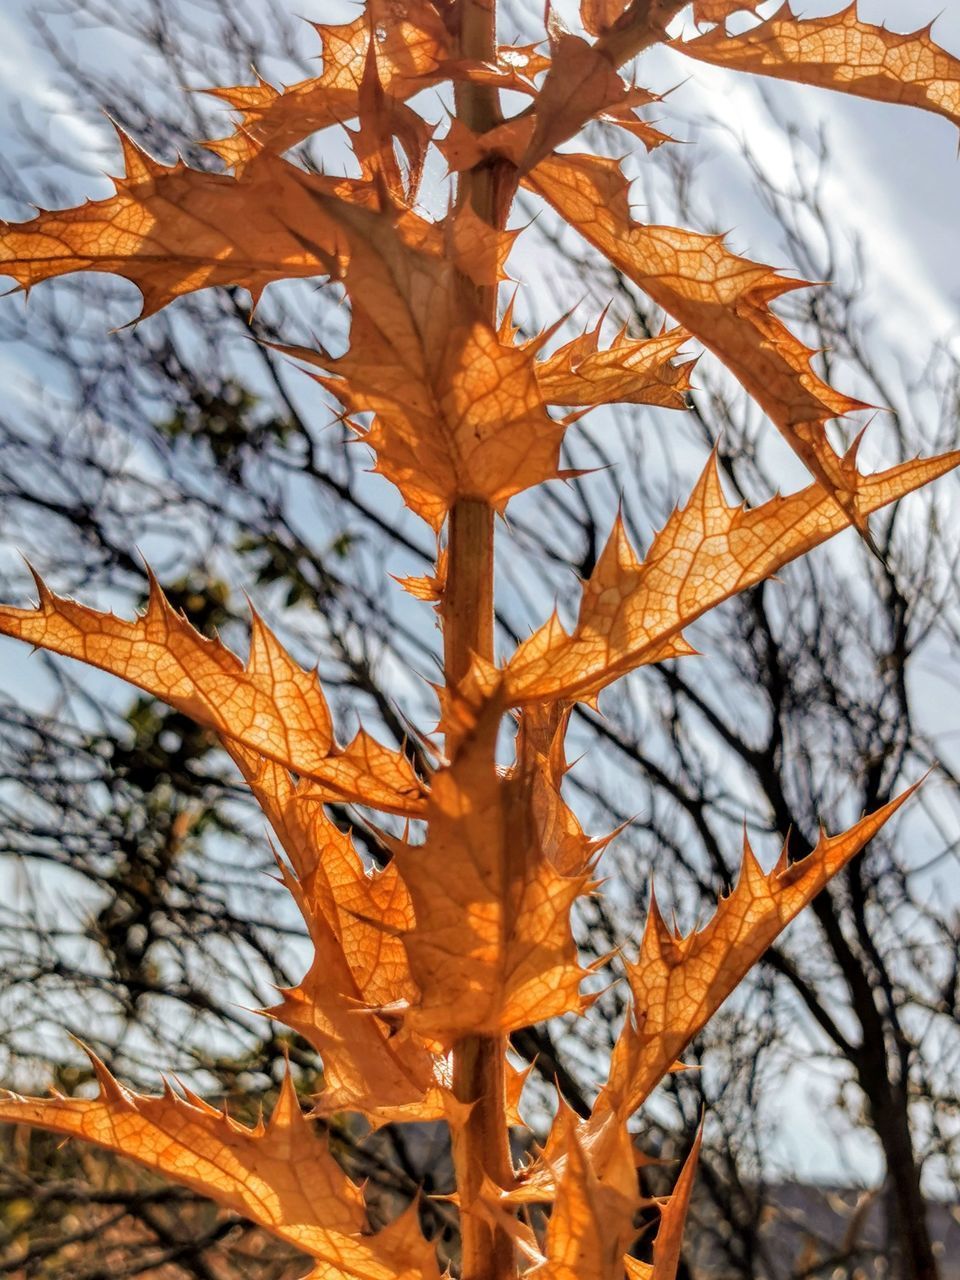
626, 118
280, 1174
412, 43
463, 149
384, 123
355, 921
581, 83
459, 412
678, 983
591, 1225
632, 611
429, 587
413, 51
673, 1216
629, 371
271, 704
492, 887
719, 10
172, 230
840, 52
722, 299
598, 15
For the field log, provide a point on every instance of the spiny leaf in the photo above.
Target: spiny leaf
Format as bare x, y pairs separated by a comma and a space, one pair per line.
628, 371
385, 124
355, 921
463, 149
468, 934
413, 42
705, 11
591, 1225
598, 16
271, 704
459, 413
625, 117
673, 1216
633, 611
581, 83
678, 983
841, 52
172, 230
492, 887
413, 52
722, 299
280, 1174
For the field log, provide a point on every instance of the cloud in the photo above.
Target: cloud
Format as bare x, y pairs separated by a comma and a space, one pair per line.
27, 78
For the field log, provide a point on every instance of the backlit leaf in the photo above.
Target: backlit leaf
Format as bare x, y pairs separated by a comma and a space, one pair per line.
491, 949
628, 371
270, 704
673, 1215
678, 982
458, 412
280, 1174
581, 83
411, 41
172, 230
633, 611
355, 920
598, 15
719, 10
422, 966
591, 1225
841, 52
722, 299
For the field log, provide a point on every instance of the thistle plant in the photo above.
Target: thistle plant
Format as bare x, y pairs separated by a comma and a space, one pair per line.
424, 967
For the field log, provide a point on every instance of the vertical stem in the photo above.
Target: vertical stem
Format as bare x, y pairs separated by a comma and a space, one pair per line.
481, 1148
468, 593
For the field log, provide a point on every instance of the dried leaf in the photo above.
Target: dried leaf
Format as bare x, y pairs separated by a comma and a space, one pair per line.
625, 118
678, 983
629, 371
581, 83
598, 16
722, 299
591, 1225
271, 704
280, 1174
468, 933
633, 611
172, 230
355, 920
705, 11
841, 52
385, 123
673, 1215
459, 412
492, 888
463, 149
411, 44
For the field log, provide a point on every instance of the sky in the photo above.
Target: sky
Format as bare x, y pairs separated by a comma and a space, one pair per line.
896, 182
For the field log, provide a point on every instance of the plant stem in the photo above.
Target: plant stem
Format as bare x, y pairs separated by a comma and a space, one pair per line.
481, 1147
468, 594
